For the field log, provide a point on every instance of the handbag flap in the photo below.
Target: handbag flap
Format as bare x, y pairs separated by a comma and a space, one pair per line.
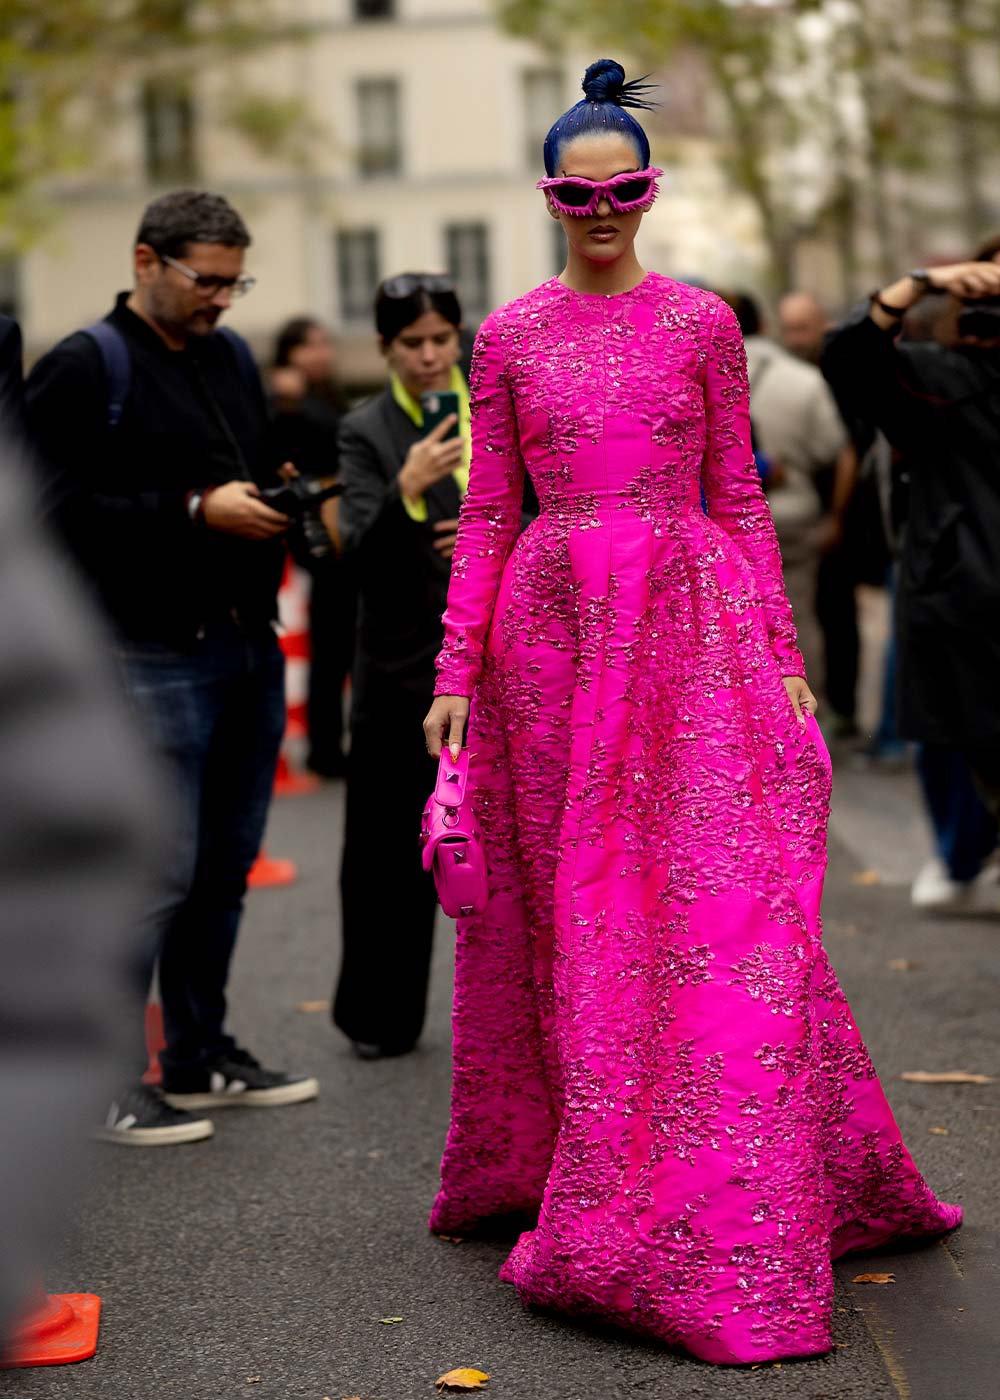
452, 779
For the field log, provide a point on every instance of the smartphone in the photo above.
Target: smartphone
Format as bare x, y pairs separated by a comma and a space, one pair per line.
437, 405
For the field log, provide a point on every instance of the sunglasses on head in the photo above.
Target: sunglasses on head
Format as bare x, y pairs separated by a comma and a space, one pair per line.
573, 194
408, 283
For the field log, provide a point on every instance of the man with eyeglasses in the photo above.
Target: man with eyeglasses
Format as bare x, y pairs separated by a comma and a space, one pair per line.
154, 429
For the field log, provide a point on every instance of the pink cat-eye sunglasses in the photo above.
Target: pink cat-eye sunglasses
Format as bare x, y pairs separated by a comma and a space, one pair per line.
573, 194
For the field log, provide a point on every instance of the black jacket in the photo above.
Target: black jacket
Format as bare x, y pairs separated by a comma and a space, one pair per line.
118, 495
941, 408
11, 381
403, 581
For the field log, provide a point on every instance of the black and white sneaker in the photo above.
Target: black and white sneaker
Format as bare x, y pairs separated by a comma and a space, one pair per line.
141, 1118
236, 1079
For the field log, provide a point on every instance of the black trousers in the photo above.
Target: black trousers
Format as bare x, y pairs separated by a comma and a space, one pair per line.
332, 611
837, 614
388, 904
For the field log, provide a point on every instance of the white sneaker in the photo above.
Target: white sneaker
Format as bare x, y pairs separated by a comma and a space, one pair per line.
934, 889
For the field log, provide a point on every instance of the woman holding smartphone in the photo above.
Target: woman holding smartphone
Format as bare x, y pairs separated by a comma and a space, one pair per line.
403, 487
653, 1057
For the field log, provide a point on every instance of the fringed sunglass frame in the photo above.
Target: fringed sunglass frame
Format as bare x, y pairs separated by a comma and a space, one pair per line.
604, 189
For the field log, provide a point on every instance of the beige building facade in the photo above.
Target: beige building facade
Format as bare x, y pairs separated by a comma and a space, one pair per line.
429, 125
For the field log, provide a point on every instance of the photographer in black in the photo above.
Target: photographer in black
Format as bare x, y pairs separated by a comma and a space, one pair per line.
154, 428
938, 402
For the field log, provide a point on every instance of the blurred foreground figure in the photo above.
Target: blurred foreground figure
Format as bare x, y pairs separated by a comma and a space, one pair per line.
76, 837
939, 404
154, 427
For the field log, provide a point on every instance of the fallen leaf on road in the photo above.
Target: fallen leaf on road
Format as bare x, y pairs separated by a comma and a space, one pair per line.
940, 1132
865, 877
252, 1380
874, 1278
952, 1076
389, 1321
902, 965
452, 1239
462, 1379
312, 1006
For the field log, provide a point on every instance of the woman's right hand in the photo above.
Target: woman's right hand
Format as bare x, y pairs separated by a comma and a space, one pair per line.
430, 459
445, 724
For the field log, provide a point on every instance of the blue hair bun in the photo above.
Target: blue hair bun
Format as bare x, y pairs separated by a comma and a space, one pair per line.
606, 93
604, 81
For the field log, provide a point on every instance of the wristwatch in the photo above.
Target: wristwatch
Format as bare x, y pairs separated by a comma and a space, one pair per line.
193, 502
922, 279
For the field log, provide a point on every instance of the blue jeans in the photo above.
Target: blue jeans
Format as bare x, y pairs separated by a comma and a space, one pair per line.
965, 833
216, 716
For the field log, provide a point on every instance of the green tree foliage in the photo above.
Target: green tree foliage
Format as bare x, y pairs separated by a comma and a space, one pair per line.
66, 66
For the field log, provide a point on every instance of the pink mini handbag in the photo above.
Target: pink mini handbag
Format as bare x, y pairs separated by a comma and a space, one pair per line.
452, 841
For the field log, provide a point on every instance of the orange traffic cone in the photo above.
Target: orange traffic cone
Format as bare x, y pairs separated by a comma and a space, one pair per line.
267, 872
155, 1042
62, 1328
289, 784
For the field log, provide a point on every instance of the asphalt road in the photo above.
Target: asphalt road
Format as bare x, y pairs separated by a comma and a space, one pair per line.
261, 1263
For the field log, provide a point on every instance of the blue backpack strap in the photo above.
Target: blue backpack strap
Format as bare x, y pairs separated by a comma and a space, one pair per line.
117, 366
245, 361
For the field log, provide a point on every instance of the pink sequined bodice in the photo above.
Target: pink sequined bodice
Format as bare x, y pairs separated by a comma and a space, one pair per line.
618, 439
653, 1057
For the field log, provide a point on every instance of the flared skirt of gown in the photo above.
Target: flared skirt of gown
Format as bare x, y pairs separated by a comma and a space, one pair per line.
652, 1052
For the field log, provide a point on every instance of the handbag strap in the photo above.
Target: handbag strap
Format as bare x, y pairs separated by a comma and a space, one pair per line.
452, 779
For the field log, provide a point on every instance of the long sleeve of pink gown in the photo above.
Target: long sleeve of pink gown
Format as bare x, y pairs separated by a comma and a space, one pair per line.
736, 500
490, 518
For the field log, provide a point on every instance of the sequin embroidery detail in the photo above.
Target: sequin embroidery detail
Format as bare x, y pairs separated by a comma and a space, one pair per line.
653, 1057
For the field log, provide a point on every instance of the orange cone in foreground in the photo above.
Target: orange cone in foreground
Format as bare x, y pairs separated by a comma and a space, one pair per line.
269, 872
288, 783
61, 1329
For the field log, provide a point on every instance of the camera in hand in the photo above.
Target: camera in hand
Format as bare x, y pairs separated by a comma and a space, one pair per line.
300, 499
980, 318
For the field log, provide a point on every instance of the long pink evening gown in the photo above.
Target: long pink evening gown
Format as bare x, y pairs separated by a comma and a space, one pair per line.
652, 1052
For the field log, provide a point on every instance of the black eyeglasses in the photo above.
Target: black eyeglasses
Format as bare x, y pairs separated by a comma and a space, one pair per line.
211, 286
407, 283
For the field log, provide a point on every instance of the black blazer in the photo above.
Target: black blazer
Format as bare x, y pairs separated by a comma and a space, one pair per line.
403, 581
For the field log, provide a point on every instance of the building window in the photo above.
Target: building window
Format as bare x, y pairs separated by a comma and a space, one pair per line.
469, 264
542, 102
374, 9
168, 132
357, 273
380, 150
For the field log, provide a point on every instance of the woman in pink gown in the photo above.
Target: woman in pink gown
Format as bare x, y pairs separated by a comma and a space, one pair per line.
652, 1053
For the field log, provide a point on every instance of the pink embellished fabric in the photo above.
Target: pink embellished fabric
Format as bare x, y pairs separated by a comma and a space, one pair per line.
652, 1053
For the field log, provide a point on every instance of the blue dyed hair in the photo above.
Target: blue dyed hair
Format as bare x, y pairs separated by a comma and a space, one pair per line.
606, 95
